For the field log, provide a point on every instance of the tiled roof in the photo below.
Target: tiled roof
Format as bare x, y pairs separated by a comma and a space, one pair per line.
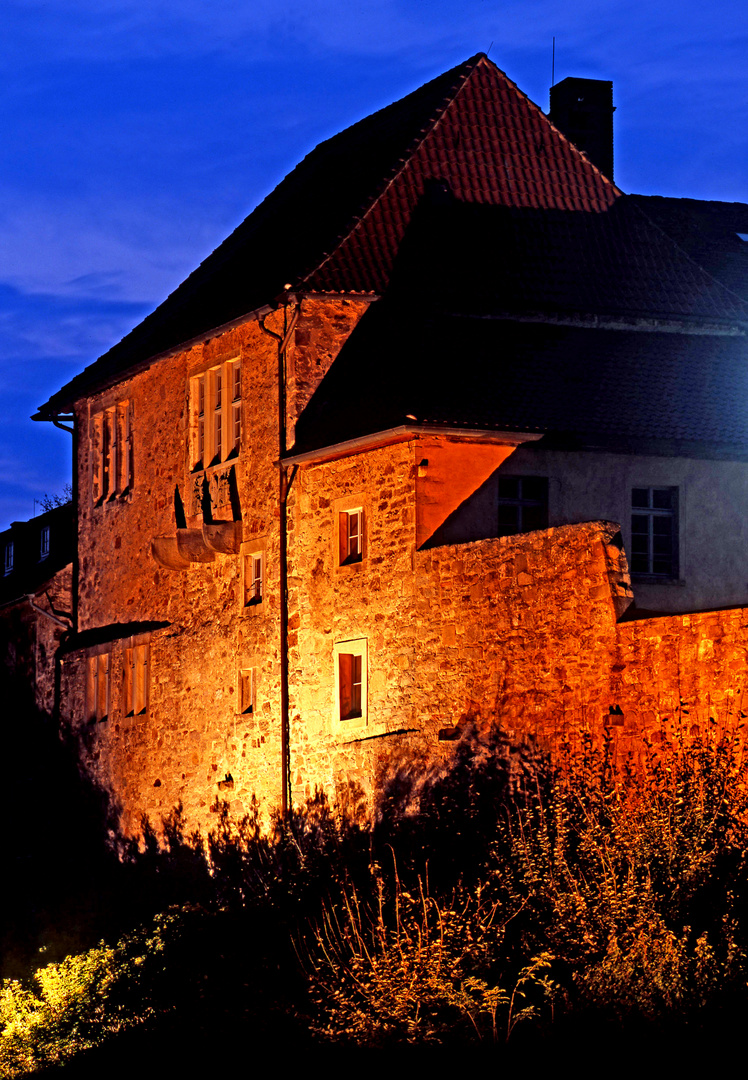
708, 231
492, 146
336, 221
651, 391
493, 259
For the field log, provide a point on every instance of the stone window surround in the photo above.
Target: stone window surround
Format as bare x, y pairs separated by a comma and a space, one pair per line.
223, 410
246, 689
248, 550
112, 452
344, 505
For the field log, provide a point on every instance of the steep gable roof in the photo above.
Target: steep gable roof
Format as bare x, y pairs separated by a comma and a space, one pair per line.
336, 221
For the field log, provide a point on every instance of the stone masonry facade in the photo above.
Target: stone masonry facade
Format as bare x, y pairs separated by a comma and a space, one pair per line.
523, 631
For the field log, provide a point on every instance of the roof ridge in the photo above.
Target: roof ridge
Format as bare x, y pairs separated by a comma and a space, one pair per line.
468, 66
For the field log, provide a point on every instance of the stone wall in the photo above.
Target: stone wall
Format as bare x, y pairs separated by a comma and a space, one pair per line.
195, 742
522, 630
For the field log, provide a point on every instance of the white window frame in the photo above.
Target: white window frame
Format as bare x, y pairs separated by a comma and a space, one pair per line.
216, 415
347, 510
357, 647
9, 557
351, 526
44, 543
651, 513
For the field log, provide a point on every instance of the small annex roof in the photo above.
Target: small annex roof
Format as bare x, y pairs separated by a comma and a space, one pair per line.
336, 222
577, 386
481, 259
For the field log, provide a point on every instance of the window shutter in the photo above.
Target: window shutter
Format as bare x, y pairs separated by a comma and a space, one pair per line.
345, 667
97, 453
343, 536
356, 667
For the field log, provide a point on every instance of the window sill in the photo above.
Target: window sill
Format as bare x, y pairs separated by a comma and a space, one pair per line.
364, 734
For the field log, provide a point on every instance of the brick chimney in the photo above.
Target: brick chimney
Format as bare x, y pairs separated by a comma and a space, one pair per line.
583, 110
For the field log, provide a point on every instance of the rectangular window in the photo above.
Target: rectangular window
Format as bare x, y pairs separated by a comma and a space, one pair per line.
349, 676
216, 407
44, 542
8, 560
247, 690
351, 531
654, 532
137, 663
523, 504
253, 579
111, 452
235, 373
98, 686
351, 697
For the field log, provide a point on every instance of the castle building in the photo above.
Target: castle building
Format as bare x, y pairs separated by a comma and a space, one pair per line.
449, 426
35, 609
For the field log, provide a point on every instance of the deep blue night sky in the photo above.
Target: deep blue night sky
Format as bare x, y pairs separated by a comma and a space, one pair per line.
137, 135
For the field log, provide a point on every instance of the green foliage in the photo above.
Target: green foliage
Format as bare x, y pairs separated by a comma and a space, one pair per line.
78, 1003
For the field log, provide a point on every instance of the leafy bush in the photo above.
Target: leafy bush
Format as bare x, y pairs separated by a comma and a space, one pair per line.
78, 1003
495, 894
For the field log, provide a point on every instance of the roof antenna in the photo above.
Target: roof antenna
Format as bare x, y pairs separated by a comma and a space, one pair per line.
553, 64
489, 49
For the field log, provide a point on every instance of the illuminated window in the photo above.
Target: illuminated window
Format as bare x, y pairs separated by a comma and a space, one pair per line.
137, 663
351, 696
8, 559
523, 504
351, 531
247, 690
111, 452
216, 406
98, 686
654, 532
44, 542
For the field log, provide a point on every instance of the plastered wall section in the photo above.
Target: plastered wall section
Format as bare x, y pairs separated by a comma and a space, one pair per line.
712, 525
